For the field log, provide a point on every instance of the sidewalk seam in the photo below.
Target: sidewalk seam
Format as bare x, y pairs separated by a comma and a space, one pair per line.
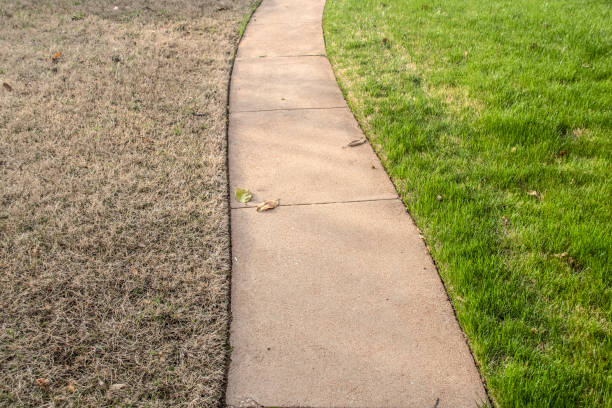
287, 109
367, 200
280, 56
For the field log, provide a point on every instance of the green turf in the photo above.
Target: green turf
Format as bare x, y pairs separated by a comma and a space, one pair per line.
494, 119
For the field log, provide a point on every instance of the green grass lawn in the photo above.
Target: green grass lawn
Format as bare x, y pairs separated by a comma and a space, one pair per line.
494, 119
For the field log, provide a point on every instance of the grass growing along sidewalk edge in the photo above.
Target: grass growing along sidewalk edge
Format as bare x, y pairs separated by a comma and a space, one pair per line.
493, 119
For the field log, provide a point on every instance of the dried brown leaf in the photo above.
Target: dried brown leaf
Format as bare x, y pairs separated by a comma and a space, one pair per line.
7, 86
43, 382
268, 205
356, 142
70, 387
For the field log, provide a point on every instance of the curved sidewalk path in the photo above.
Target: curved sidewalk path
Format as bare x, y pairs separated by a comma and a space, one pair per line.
335, 299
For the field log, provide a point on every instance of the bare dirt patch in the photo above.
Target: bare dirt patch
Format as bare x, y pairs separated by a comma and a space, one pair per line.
114, 248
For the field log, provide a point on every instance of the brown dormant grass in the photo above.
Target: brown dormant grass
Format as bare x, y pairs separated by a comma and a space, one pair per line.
114, 248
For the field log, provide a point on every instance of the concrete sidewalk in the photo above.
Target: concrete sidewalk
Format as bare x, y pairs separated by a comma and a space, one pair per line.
335, 299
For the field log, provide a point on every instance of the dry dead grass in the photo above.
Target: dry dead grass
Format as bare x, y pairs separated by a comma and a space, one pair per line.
114, 251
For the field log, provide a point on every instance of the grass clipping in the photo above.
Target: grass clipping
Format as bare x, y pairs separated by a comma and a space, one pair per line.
114, 248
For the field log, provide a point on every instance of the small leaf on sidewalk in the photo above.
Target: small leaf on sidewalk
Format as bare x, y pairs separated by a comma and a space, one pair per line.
7, 86
268, 205
356, 142
243, 195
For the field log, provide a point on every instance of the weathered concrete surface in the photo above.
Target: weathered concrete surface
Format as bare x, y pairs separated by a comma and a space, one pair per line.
283, 83
301, 157
298, 39
288, 11
337, 304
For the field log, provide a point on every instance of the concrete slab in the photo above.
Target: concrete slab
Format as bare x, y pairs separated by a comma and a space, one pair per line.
339, 306
334, 305
284, 83
298, 156
284, 11
261, 40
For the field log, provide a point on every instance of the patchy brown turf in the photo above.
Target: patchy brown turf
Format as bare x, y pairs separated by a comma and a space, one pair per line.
114, 251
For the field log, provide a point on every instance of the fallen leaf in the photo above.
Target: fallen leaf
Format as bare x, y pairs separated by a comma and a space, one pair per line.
562, 153
384, 40
561, 255
533, 193
134, 271
70, 387
116, 387
356, 142
7, 86
372, 166
55, 56
534, 330
268, 205
243, 195
43, 382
